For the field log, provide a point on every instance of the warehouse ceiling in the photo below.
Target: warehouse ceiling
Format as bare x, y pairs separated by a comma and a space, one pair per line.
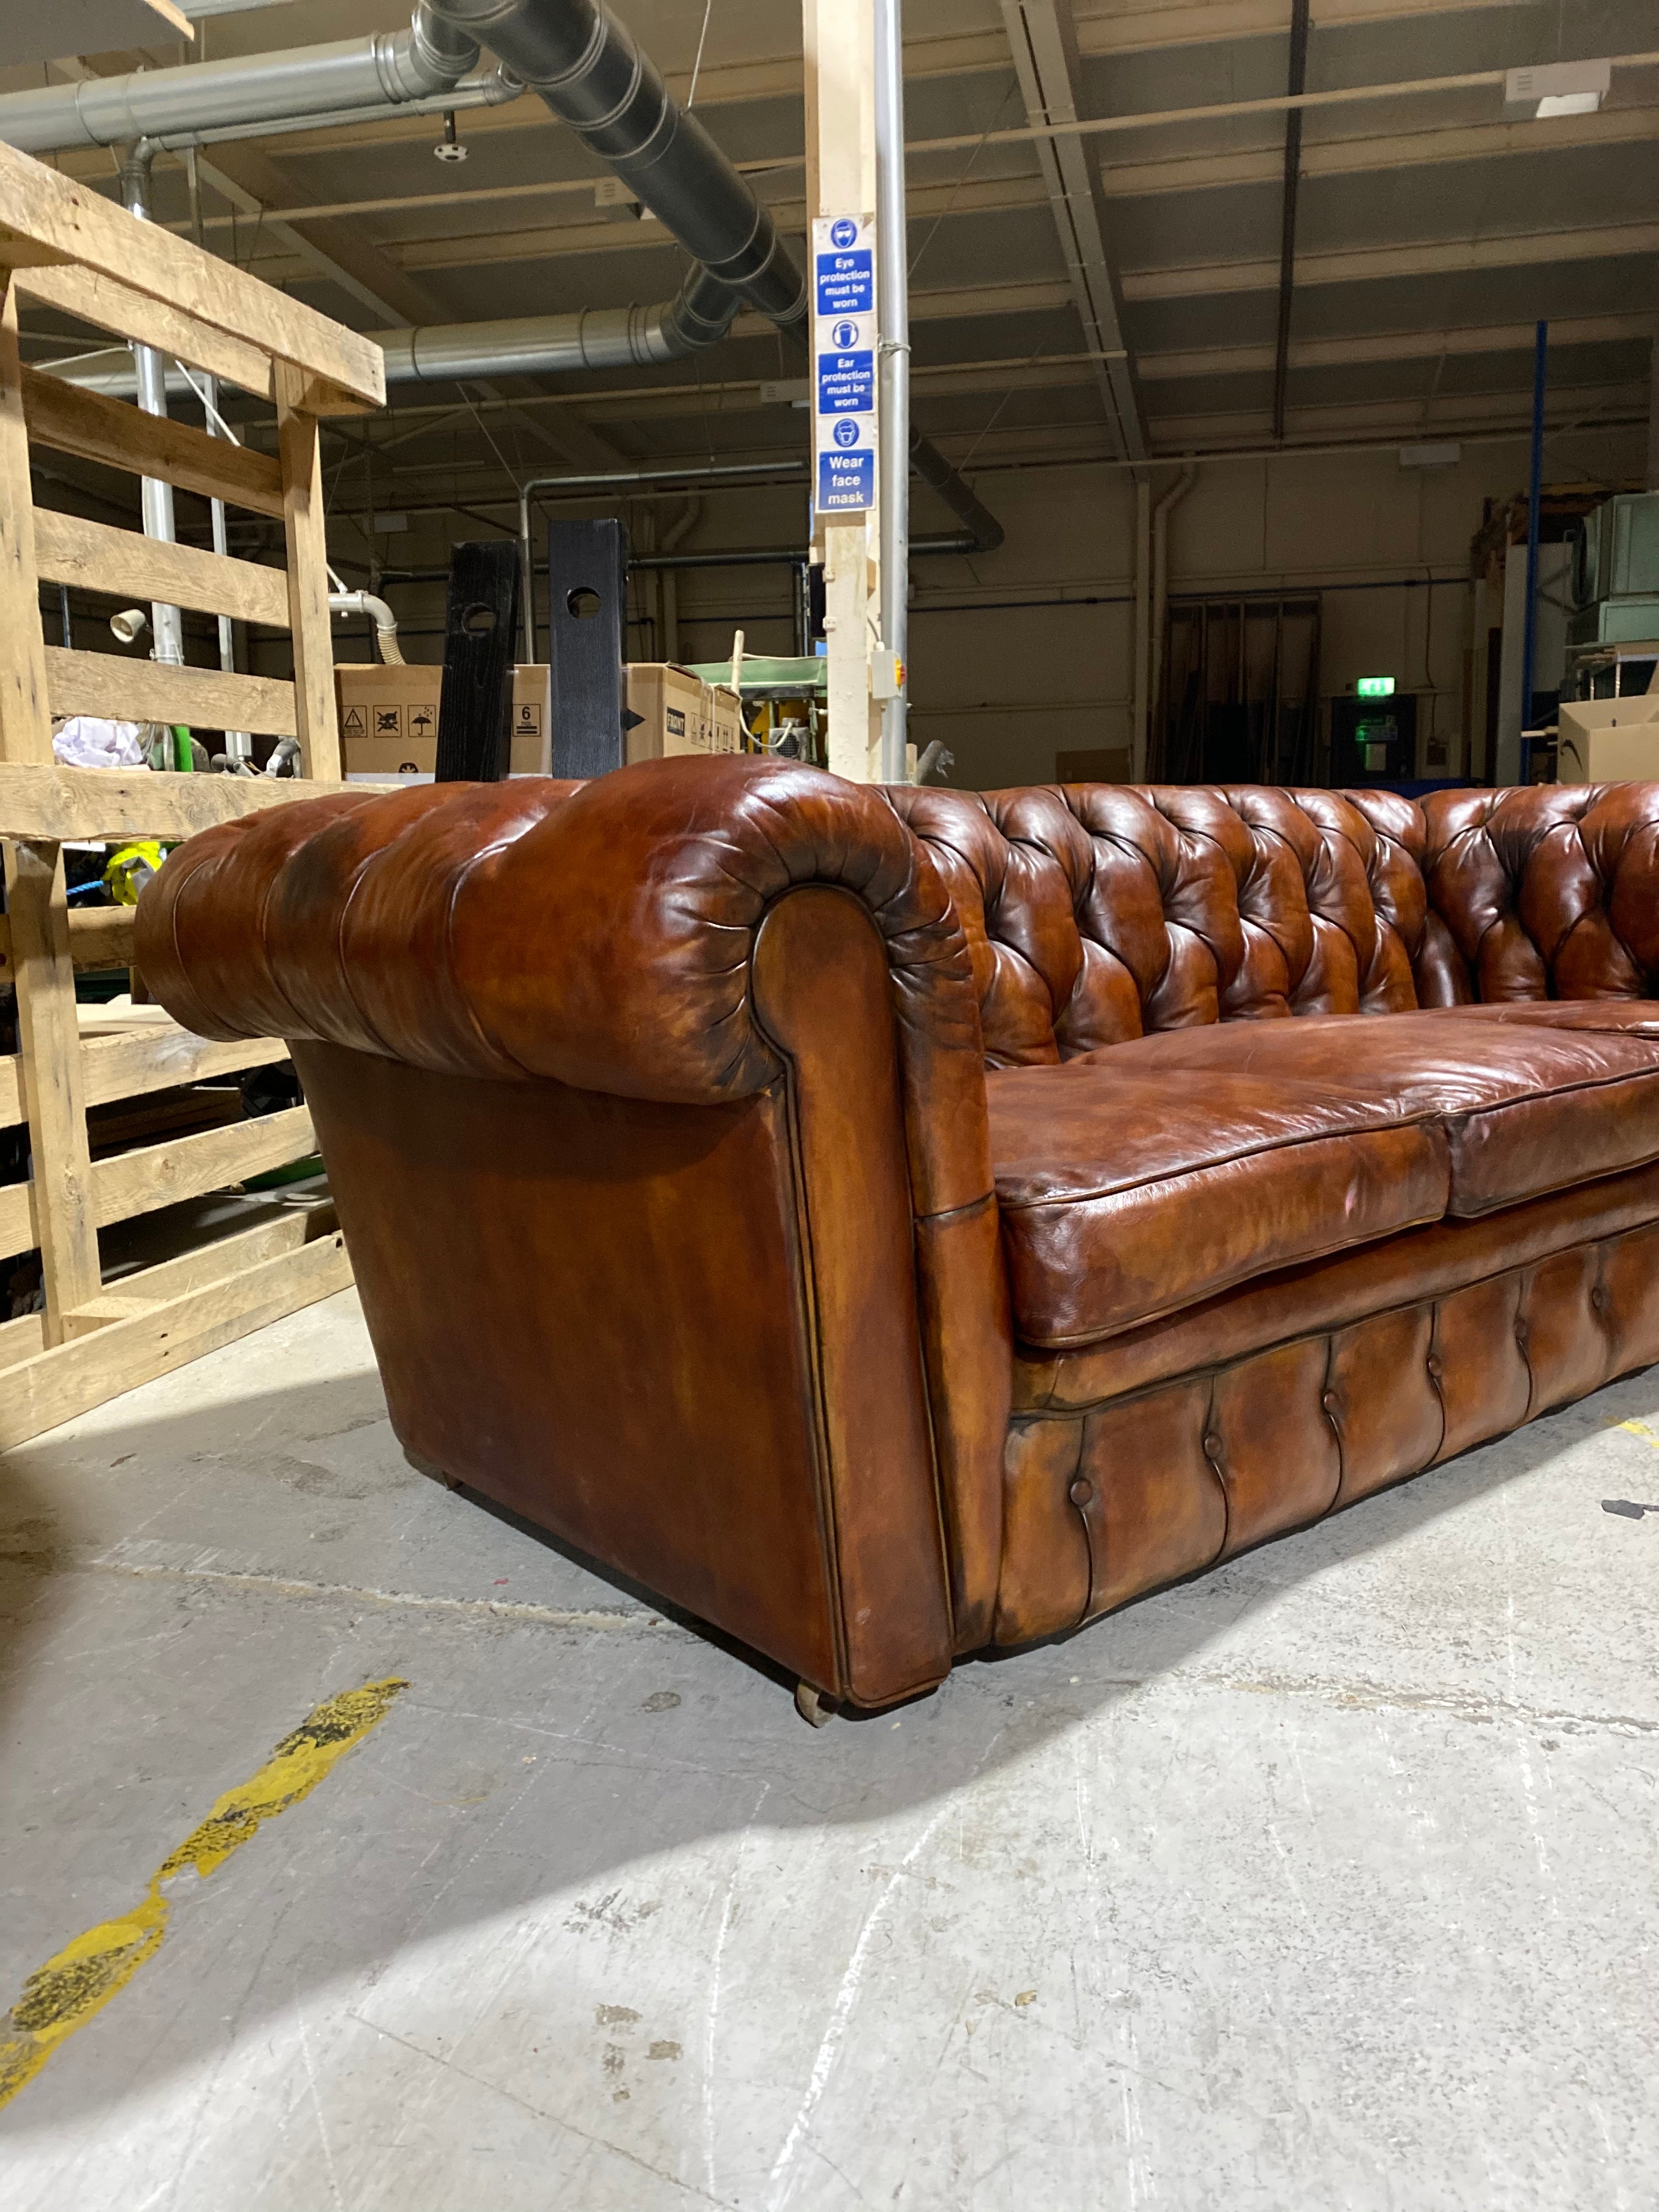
1432, 227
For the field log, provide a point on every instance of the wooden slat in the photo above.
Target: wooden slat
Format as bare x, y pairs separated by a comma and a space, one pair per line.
57, 1385
120, 436
48, 218
94, 558
156, 1059
161, 1174
149, 691
302, 465
60, 1202
109, 306
101, 937
21, 1339
25, 720
296, 1223
154, 1176
112, 803
11, 1091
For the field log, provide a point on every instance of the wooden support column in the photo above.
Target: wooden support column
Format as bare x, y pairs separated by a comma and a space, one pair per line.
54, 1102
302, 467
25, 717
839, 42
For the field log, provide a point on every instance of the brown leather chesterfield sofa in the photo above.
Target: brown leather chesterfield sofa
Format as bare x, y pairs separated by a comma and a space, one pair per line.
891, 1224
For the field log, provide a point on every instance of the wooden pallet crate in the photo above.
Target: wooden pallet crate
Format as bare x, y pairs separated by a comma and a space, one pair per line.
88, 258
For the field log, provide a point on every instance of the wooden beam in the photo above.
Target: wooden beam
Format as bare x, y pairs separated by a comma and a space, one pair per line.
125, 566
25, 717
11, 1091
109, 306
303, 522
119, 436
59, 1200
48, 218
157, 1058
55, 1385
101, 937
154, 1176
150, 691
21, 1339
108, 804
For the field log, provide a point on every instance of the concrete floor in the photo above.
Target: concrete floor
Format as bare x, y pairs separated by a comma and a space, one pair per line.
1328, 1880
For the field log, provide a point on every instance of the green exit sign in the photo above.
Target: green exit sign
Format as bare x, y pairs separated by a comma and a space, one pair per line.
1375, 687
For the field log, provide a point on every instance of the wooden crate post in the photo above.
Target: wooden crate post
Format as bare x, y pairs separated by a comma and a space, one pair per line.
24, 719
303, 522
54, 1103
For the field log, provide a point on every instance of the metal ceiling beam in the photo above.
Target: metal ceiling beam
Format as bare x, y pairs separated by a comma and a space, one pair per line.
742, 396
1154, 27
1297, 82
1043, 42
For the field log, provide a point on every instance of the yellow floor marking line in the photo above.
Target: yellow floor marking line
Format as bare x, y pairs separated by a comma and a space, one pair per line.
62, 1995
1640, 1428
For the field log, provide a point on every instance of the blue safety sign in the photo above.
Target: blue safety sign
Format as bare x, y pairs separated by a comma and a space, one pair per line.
846, 384
847, 483
847, 282
844, 356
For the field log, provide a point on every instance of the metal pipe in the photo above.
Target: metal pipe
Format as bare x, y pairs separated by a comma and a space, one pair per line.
1529, 631
1167, 499
389, 69
893, 342
156, 498
606, 480
378, 613
586, 66
669, 578
984, 531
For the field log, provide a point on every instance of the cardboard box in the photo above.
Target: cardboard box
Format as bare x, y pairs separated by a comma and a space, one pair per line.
679, 713
389, 720
1608, 740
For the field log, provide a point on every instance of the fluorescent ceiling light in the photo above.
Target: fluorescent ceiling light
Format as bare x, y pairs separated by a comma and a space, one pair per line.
1443, 456
1558, 88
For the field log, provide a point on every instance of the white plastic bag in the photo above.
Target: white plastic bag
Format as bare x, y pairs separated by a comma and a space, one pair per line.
88, 741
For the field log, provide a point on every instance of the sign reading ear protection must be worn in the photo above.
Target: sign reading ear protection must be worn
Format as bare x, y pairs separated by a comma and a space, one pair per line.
844, 364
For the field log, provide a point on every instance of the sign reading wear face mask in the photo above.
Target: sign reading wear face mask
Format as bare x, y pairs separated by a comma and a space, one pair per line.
843, 364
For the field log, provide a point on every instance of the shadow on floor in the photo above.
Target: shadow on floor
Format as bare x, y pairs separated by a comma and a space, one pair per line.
619, 1776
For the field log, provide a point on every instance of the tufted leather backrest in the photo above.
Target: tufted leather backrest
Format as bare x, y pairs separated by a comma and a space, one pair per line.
1097, 912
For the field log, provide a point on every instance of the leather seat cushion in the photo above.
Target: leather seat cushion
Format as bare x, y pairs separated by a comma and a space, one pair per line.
1124, 1194
1531, 1098
1147, 1176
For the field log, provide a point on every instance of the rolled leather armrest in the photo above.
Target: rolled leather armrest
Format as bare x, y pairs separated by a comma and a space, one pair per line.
627, 938
597, 933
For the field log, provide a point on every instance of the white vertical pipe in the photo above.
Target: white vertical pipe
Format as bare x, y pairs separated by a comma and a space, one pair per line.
893, 318
1143, 629
166, 624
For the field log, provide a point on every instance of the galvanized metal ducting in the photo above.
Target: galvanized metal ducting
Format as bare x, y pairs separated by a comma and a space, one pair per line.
546, 345
586, 67
351, 76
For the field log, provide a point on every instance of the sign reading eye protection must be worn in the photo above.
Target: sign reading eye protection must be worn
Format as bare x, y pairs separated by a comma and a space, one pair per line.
844, 364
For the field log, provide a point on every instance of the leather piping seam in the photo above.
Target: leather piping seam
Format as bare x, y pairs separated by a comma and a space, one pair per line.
1447, 1120
806, 1258
1302, 1260
1231, 1159
1074, 1413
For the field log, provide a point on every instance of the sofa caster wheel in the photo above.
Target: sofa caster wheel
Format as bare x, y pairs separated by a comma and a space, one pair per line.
812, 1706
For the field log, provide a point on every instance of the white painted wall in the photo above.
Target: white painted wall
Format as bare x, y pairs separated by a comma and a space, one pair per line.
1028, 652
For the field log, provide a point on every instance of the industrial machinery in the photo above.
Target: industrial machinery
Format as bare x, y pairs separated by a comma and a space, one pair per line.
1615, 573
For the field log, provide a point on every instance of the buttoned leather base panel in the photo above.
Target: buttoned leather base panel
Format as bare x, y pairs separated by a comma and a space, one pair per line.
1147, 1489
